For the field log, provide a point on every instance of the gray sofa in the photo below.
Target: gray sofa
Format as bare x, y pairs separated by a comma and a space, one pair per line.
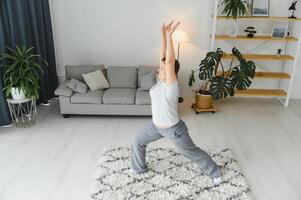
124, 97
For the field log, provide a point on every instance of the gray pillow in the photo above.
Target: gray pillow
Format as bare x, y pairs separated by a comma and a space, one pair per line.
76, 71
122, 77
96, 80
77, 86
63, 90
144, 70
147, 81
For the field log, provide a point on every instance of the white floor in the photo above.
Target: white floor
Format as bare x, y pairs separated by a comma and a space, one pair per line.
55, 159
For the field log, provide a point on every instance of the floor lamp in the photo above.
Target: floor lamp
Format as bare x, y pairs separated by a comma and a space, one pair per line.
180, 36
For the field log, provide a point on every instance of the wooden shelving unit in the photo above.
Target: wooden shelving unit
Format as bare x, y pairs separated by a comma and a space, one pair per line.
289, 62
272, 18
270, 75
264, 57
263, 37
260, 93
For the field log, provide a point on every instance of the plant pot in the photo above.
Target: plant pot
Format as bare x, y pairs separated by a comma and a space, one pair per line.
17, 93
203, 101
250, 35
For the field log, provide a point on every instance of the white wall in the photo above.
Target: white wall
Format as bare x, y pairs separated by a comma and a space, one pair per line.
126, 32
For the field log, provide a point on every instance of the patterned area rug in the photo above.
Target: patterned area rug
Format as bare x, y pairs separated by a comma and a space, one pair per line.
170, 177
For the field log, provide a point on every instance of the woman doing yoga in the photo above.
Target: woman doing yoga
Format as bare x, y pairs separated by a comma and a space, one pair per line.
165, 119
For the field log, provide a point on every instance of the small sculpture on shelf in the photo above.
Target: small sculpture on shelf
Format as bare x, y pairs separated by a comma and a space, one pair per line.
293, 9
251, 31
279, 51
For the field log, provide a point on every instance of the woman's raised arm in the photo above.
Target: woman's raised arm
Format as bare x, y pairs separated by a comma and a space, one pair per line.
163, 29
170, 55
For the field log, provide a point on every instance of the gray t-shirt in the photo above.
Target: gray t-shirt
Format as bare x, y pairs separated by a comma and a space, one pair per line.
164, 99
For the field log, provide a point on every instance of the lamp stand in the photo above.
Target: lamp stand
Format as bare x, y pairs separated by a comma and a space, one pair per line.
178, 58
180, 99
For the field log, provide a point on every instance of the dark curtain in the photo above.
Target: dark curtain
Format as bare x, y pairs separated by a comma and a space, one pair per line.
28, 23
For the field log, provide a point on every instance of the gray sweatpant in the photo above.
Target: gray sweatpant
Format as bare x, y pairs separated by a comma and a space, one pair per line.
178, 134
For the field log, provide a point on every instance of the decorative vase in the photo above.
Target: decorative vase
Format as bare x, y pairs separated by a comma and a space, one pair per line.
203, 101
233, 29
17, 93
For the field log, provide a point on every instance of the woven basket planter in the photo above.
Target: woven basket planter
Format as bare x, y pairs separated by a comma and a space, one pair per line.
203, 101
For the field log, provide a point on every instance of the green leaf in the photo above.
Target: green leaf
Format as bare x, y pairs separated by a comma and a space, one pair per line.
238, 55
191, 79
243, 74
240, 80
207, 66
221, 87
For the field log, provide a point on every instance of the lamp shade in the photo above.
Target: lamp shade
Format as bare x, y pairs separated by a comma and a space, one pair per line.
180, 36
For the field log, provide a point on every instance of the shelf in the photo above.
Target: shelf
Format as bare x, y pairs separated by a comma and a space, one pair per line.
242, 37
260, 93
261, 57
259, 18
269, 75
272, 75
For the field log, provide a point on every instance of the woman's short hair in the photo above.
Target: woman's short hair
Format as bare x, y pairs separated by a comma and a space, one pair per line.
177, 65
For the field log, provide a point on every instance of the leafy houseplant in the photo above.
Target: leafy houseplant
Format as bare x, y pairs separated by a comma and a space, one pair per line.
235, 8
221, 84
22, 71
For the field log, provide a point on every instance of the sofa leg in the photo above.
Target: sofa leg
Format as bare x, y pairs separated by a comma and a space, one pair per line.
66, 115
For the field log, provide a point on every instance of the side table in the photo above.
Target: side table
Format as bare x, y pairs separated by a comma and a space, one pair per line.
23, 112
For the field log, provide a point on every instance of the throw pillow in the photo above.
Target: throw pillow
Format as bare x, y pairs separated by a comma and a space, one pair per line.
147, 81
96, 80
77, 86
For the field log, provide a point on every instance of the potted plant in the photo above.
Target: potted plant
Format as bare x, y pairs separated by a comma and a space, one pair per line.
235, 8
22, 71
217, 84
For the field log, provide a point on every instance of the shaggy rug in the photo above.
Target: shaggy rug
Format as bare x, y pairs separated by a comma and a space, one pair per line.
170, 177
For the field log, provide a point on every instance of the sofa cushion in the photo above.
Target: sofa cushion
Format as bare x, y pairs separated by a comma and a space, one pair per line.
147, 81
144, 70
122, 77
88, 98
96, 80
76, 71
119, 96
143, 97
63, 90
77, 86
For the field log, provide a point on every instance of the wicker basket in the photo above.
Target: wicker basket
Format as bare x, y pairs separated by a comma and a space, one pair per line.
203, 101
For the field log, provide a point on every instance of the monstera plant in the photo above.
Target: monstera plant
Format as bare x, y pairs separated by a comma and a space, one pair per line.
235, 8
22, 70
222, 83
